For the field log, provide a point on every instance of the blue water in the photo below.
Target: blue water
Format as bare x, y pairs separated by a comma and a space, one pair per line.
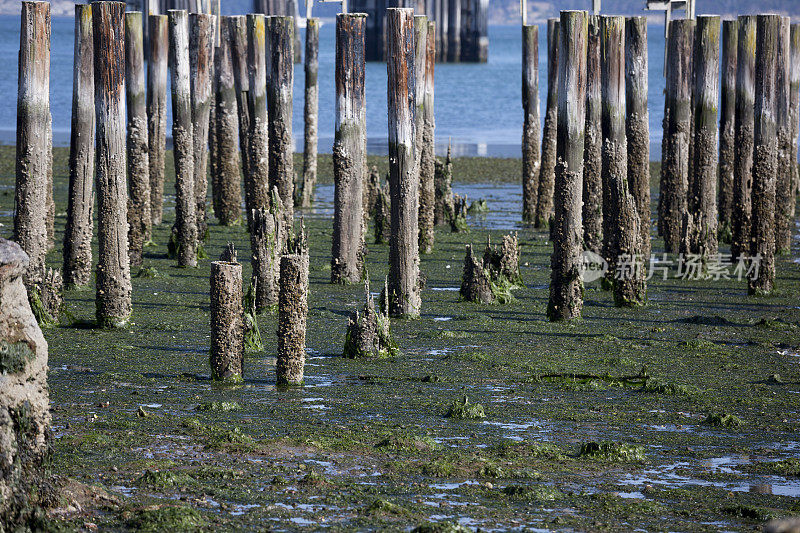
478, 106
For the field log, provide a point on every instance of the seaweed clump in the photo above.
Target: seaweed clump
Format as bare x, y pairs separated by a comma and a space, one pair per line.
369, 333
619, 452
463, 410
492, 279
724, 420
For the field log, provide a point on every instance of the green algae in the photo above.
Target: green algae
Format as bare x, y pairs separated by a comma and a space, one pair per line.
463, 410
612, 451
724, 420
166, 518
14, 356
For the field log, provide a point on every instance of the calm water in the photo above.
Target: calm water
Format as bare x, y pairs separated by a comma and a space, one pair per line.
477, 106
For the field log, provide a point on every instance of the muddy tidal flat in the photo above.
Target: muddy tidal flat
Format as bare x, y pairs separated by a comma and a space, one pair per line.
681, 415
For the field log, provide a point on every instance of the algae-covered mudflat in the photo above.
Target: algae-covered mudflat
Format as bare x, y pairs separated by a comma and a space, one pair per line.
682, 415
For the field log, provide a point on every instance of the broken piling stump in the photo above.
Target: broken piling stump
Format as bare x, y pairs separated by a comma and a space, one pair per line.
443, 181
368, 333
293, 311
349, 150
77, 255
139, 217
566, 288
227, 320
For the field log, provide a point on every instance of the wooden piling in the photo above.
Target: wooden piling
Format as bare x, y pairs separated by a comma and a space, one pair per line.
185, 229
765, 154
420, 56
157, 74
794, 90
77, 269
256, 181
727, 127
544, 203
453, 31
745, 122
566, 287
637, 125
427, 172
201, 64
292, 313
33, 150
237, 32
280, 80
404, 290
228, 208
349, 150
700, 223
113, 268
784, 185
227, 321
593, 222
266, 237
622, 243
677, 123
139, 218
531, 158
310, 114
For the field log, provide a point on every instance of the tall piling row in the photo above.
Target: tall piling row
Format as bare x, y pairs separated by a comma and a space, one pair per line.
637, 124
33, 150
765, 154
157, 74
226, 123
113, 298
280, 79
292, 312
592, 212
699, 227
139, 218
256, 181
531, 157
794, 90
201, 64
227, 321
349, 150
404, 290
310, 114
427, 172
677, 123
77, 255
185, 228
727, 127
425, 199
453, 31
544, 203
566, 287
619, 205
237, 32
784, 185
745, 123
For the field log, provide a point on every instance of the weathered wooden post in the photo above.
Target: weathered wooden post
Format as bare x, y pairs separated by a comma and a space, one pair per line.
310, 114
157, 74
794, 90
404, 290
256, 181
593, 222
745, 122
201, 64
113, 268
79, 228
185, 229
237, 32
784, 187
443, 181
227, 321
33, 150
266, 241
293, 312
280, 80
637, 125
349, 150
727, 127
622, 243
420, 57
566, 287
700, 223
544, 203
427, 173
765, 154
677, 122
453, 31
139, 218
531, 158
228, 207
